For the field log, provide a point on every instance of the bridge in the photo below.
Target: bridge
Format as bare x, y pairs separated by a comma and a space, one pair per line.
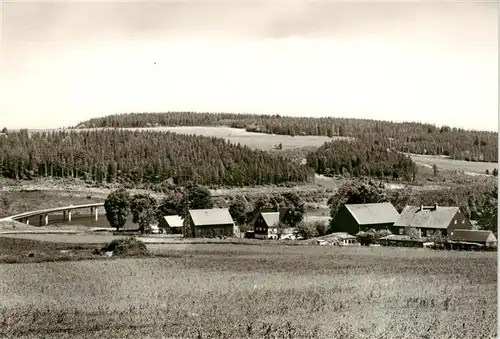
44, 214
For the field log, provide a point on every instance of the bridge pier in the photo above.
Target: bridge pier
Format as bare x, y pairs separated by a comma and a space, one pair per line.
69, 215
27, 221
46, 219
94, 211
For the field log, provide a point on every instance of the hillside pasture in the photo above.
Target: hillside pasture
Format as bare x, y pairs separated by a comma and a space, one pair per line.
447, 164
239, 291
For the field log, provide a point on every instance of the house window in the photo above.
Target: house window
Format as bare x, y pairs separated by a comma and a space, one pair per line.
455, 222
401, 231
463, 221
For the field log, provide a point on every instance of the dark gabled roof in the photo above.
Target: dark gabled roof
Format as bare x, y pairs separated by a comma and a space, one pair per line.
370, 214
214, 216
472, 236
174, 220
428, 217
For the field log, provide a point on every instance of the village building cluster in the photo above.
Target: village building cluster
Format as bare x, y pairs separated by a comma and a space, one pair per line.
415, 226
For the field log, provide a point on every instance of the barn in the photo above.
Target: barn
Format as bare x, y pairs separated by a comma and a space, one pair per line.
428, 219
171, 224
211, 223
353, 218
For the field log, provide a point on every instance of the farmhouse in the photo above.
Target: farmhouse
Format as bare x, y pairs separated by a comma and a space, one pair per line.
171, 224
428, 219
265, 223
352, 218
210, 223
485, 238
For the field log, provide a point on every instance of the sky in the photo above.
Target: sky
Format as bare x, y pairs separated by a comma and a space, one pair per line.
434, 62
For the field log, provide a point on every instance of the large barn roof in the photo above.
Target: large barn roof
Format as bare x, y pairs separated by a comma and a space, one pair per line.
214, 216
370, 214
426, 217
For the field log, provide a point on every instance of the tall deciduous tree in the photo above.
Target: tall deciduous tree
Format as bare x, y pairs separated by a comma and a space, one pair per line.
238, 209
198, 197
171, 204
143, 207
295, 209
117, 206
488, 217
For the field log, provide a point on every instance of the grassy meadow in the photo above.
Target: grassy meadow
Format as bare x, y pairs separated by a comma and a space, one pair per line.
448, 164
243, 291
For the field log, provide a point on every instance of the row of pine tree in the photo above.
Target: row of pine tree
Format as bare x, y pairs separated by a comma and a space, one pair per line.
142, 157
409, 137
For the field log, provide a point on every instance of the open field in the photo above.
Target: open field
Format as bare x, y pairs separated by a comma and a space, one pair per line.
238, 291
444, 163
25, 250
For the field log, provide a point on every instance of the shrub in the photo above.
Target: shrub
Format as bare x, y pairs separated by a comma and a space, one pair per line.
382, 233
320, 227
129, 247
366, 238
306, 230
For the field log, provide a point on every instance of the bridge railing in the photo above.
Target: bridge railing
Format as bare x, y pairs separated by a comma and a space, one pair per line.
52, 210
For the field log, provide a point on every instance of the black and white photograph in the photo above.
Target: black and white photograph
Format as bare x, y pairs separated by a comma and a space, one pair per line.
249, 169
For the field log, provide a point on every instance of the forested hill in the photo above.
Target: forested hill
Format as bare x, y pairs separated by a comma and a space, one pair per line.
406, 137
142, 157
361, 158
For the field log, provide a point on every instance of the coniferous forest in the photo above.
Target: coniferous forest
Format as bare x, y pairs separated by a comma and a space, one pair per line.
361, 158
408, 137
135, 158
146, 158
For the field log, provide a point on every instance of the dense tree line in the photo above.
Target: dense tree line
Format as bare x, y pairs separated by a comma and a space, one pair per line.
405, 137
142, 157
361, 158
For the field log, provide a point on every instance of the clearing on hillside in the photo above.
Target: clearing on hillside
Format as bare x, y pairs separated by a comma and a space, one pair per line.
448, 164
